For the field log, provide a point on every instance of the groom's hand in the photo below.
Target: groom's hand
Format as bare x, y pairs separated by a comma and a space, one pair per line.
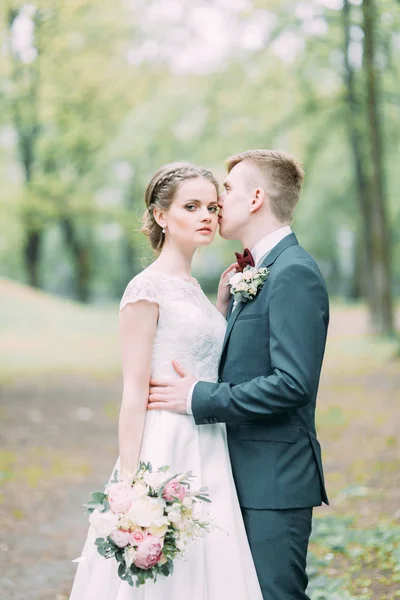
169, 393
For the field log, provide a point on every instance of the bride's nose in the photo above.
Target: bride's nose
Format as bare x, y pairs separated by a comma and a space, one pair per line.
206, 217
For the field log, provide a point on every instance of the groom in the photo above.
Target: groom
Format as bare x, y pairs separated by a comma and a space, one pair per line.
268, 374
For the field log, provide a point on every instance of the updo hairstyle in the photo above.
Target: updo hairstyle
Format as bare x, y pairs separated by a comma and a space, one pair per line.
160, 194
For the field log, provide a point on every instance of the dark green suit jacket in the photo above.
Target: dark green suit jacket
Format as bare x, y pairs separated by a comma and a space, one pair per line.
268, 382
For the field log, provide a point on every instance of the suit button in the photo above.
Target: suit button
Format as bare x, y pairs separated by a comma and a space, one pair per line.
215, 420
206, 421
219, 380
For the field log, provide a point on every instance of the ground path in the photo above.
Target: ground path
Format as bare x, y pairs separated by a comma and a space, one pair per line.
58, 442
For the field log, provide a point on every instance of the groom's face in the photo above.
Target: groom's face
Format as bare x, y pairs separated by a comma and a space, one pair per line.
234, 202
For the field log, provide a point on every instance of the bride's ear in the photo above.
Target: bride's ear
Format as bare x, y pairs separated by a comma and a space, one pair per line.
159, 217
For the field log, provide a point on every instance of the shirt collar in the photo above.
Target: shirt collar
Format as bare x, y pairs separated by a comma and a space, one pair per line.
266, 244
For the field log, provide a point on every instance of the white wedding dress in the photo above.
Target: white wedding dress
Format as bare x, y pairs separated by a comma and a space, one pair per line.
191, 330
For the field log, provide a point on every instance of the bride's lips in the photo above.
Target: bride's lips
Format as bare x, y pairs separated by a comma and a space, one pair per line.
205, 230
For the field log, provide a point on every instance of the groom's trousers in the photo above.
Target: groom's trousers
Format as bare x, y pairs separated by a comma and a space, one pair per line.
279, 541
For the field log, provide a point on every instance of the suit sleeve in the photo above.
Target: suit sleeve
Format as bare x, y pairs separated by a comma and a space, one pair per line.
298, 319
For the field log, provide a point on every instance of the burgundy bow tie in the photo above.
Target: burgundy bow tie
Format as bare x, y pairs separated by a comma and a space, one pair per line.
245, 259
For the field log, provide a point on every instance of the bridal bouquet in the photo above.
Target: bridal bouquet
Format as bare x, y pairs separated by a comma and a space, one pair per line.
145, 523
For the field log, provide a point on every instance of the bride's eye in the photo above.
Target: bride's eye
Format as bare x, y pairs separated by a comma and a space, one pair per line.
190, 207
213, 209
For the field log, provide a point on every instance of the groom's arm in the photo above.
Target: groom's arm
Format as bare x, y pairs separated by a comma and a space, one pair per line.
298, 316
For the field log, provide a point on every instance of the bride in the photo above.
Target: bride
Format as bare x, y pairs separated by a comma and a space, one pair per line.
164, 315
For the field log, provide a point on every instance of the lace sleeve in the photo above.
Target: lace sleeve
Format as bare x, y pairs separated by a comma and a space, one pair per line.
139, 289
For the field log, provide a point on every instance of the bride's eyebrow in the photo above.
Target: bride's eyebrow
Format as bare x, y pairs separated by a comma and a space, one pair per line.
193, 201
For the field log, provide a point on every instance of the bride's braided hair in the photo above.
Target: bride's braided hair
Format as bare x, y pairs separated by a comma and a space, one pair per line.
161, 191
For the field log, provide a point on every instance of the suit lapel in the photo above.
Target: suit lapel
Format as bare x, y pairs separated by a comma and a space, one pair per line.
234, 315
289, 240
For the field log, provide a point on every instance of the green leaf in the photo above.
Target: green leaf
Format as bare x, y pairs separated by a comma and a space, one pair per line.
98, 497
92, 505
115, 478
204, 499
167, 568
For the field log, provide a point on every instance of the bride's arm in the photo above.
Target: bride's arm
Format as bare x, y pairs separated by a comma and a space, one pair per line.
138, 322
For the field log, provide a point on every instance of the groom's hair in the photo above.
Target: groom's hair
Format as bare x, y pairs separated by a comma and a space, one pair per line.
282, 178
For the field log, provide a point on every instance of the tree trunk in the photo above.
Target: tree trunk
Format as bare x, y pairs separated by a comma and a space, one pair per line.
382, 319
32, 245
26, 124
366, 148
359, 284
82, 259
357, 144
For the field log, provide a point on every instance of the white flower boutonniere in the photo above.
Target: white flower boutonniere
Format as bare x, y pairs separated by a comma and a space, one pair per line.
246, 285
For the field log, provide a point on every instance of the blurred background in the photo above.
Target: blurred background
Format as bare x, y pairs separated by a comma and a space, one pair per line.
94, 96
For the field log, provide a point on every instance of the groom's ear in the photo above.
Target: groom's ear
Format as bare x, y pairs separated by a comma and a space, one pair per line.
257, 199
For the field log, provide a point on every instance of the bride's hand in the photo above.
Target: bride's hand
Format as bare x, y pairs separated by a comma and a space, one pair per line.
224, 293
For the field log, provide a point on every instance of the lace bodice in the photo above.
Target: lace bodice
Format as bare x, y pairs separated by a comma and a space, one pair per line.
190, 329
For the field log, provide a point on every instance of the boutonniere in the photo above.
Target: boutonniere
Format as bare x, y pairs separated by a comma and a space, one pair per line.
246, 285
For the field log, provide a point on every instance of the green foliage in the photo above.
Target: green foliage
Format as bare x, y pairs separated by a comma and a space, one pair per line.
109, 116
363, 557
99, 501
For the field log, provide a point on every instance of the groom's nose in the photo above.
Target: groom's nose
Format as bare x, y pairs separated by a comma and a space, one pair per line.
221, 199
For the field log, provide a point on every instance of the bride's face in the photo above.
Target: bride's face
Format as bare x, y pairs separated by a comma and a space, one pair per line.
192, 218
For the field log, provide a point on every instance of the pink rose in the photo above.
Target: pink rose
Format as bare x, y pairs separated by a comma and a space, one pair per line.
174, 491
121, 537
137, 536
118, 496
149, 552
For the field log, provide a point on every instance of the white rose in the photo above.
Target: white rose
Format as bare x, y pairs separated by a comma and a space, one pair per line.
174, 516
104, 523
174, 513
125, 523
235, 279
139, 489
247, 276
147, 511
252, 290
241, 287
156, 479
159, 531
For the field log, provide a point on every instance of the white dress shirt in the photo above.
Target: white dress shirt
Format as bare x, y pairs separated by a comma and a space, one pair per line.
259, 252
265, 245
